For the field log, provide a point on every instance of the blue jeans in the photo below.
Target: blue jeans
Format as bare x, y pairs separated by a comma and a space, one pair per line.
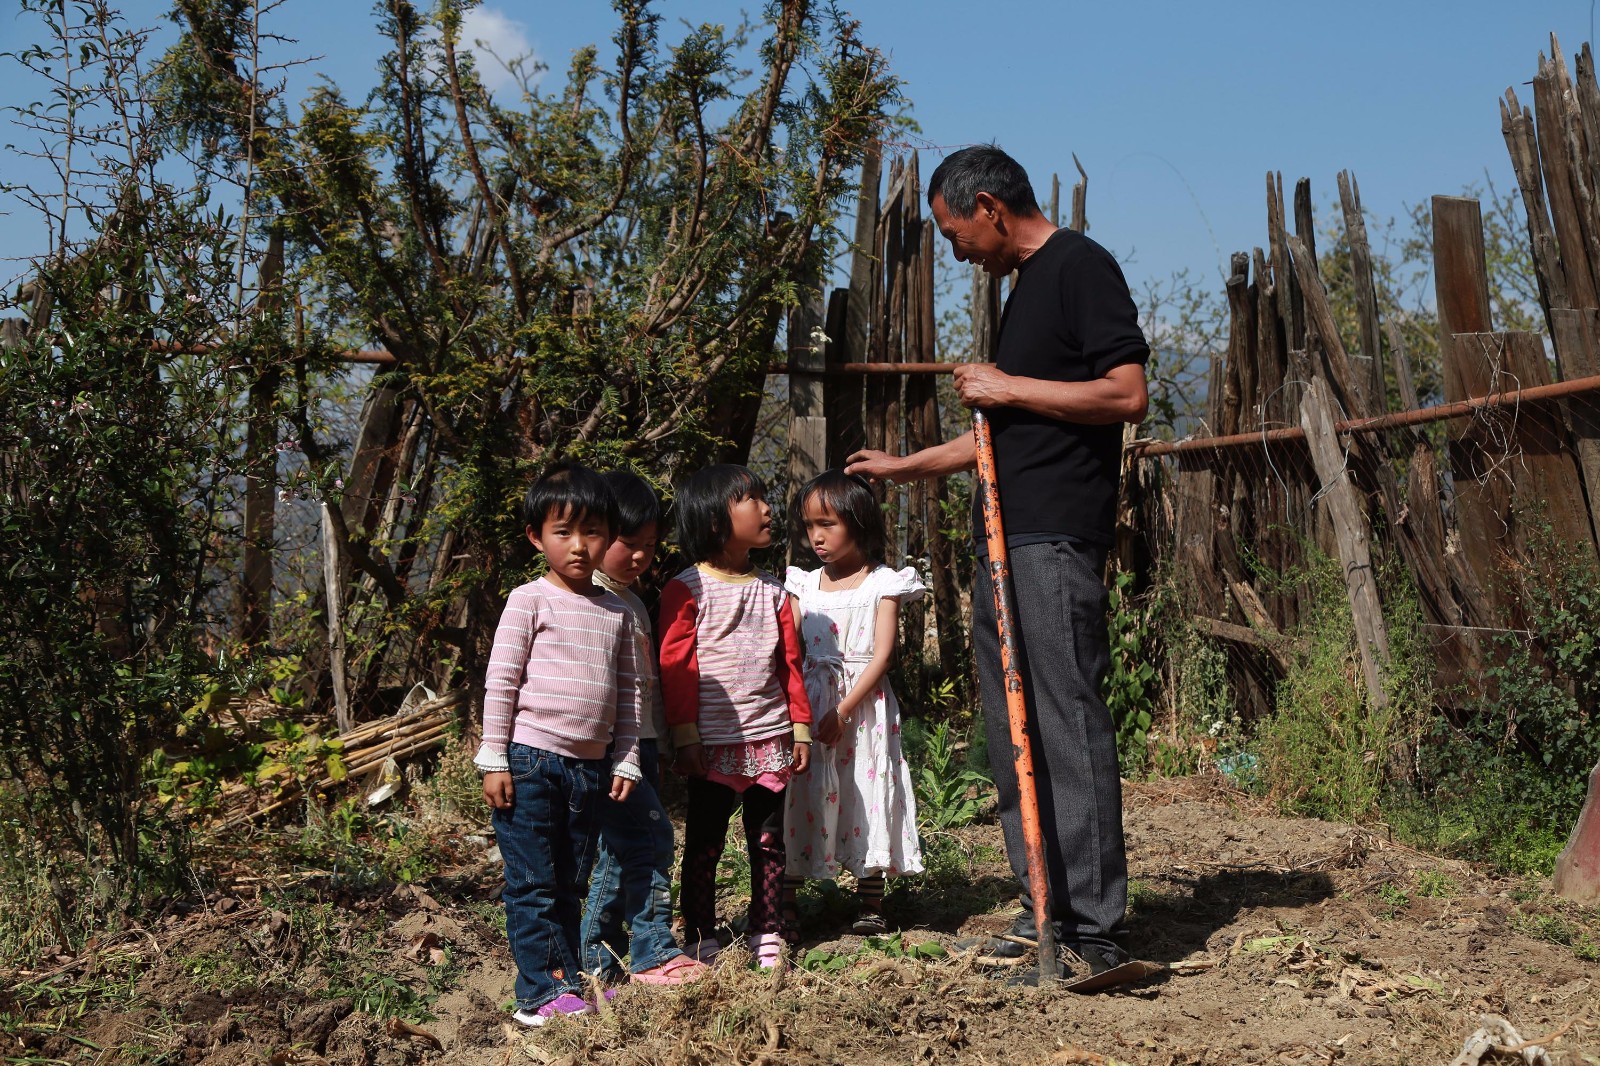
632, 880
547, 840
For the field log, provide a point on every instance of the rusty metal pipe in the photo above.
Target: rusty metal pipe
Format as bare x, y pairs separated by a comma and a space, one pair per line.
1400, 419
1016, 699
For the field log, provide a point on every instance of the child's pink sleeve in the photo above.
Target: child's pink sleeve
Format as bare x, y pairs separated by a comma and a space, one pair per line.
502, 681
625, 730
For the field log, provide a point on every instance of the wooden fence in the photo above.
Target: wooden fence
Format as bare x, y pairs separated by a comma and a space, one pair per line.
1317, 441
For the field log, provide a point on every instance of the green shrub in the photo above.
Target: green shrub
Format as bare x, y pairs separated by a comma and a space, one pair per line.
1130, 685
949, 794
1506, 782
1326, 752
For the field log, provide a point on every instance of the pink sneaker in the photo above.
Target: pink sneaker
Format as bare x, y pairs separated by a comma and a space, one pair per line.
678, 970
704, 950
565, 1005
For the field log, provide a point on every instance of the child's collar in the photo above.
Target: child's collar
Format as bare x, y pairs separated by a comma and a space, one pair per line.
728, 577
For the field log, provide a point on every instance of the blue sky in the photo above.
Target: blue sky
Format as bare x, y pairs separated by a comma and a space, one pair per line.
1177, 110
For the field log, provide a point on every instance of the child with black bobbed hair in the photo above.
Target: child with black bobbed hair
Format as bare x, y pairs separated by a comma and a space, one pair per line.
735, 701
560, 718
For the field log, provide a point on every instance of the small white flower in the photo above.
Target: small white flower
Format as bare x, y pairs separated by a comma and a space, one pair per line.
819, 339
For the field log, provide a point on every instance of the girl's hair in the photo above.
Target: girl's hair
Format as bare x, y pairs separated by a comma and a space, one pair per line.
702, 508
850, 497
637, 503
570, 490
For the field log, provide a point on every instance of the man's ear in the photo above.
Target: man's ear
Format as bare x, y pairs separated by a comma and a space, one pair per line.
985, 205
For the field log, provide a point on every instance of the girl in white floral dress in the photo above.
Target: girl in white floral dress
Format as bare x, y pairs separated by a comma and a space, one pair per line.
855, 810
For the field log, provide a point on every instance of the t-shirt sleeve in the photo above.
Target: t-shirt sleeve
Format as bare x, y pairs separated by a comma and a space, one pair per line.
625, 732
508, 663
903, 585
796, 581
1099, 312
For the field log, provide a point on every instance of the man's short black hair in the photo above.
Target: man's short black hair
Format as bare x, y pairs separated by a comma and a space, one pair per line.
850, 497
572, 491
702, 505
982, 168
637, 503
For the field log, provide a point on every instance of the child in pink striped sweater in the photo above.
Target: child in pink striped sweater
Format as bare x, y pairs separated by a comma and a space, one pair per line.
735, 701
560, 720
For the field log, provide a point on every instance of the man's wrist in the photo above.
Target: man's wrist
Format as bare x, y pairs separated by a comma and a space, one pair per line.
1008, 395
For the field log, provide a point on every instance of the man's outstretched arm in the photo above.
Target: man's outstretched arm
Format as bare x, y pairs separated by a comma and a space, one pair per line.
951, 457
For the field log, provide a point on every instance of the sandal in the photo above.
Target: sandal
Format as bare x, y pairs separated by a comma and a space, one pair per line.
704, 950
768, 950
869, 923
678, 970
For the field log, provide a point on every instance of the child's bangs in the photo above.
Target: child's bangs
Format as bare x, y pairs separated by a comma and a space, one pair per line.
578, 513
744, 485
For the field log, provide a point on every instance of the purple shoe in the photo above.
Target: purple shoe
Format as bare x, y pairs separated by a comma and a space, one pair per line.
565, 1005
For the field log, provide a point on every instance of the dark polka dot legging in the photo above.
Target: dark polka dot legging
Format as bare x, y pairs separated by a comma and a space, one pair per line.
704, 833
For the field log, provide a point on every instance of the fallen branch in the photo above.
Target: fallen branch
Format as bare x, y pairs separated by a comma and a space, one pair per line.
364, 750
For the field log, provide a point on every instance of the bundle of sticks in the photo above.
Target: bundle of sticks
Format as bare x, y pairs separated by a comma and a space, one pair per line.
366, 749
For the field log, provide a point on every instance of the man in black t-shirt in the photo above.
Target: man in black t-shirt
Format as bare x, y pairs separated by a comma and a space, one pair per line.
1068, 371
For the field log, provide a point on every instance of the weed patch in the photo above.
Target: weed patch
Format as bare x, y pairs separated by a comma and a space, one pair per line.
1563, 925
1326, 752
949, 795
1504, 783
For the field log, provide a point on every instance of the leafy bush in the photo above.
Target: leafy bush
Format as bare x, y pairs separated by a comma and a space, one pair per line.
949, 795
1129, 688
112, 464
1326, 751
1506, 783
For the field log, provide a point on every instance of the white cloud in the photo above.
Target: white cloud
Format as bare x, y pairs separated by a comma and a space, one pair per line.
495, 40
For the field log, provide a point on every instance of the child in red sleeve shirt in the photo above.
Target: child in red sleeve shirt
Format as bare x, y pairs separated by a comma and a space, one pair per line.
735, 701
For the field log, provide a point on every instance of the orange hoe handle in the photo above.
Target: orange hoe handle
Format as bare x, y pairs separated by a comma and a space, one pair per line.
1016, 699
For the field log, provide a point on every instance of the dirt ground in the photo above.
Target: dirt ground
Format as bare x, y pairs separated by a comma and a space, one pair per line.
1285, 941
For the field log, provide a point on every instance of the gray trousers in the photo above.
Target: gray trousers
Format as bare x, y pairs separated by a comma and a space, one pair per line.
1060, 607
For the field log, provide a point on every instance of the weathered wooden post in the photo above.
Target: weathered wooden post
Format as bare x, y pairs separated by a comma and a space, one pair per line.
1462, 295
808, 425
850, 323
1353, 536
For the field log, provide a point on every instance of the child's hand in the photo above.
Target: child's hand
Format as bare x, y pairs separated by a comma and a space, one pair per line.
621, 787
691, 761
802, 756
829, 730
497, 790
